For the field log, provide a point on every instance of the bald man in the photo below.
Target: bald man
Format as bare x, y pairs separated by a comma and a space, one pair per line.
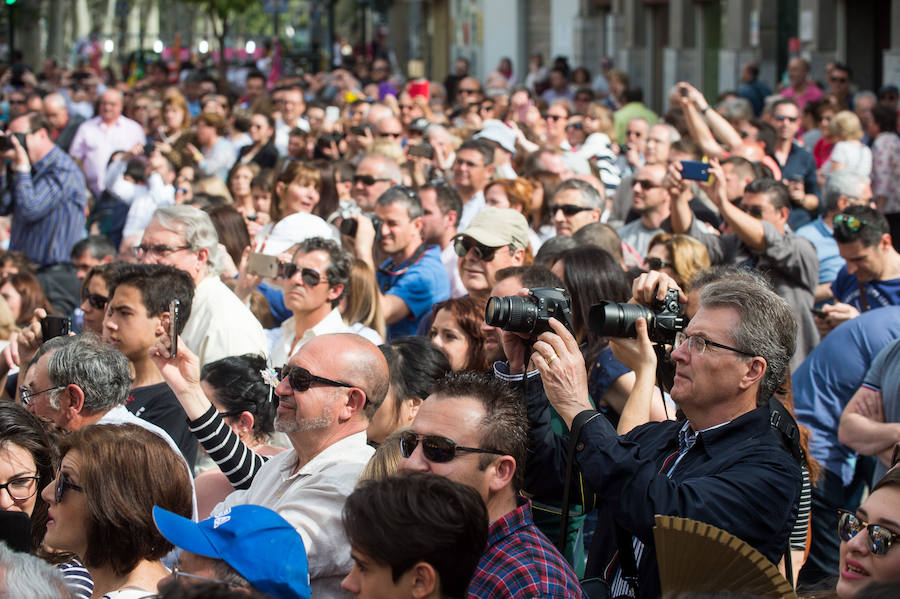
98, 138
63, 126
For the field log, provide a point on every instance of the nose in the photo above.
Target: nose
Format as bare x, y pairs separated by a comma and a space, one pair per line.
283, 387
47, 492
6, 500
416, 462
350, 582
859, 544
851, 268
681, 353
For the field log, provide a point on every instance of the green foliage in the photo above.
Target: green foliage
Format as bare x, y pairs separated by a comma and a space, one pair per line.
223, 8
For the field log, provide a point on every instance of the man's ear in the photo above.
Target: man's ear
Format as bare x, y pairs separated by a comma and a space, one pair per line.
518, 257
335, 292
356, 402
504, 470
755, 371
451, 219
71, 401
425, 580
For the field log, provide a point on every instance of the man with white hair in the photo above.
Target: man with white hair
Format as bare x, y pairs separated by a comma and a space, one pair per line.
219, 325
442, 142
63, 126
100, 137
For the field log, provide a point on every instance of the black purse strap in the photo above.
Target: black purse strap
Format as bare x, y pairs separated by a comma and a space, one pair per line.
574, 433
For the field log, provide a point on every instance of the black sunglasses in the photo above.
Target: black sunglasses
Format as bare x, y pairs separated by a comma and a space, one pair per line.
310, 277
436, 449
368, 180
568, 209
63, 483
657, 264
754, 211
880, 538
301, 379
645, 184
97, 301
462, 245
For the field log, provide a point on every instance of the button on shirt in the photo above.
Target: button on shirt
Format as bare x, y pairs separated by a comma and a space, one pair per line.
96, 141
47, 206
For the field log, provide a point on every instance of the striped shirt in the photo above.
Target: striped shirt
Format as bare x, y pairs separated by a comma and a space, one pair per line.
77, 578
236, 461
47, 207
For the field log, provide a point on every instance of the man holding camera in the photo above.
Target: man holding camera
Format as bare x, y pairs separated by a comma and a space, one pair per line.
724, 465
46, 195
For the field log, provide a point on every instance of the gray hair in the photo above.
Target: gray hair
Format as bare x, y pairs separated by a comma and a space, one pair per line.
673, 133
101, 372
400, 194
767, 327
736, 110
24, 575
197, 229
841, 183
56, 100
389, 168
589, 193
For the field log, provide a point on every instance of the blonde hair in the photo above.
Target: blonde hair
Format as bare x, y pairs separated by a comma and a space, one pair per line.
519, 192
386, 461
604, 117
363, 305
689, 256
845, 126
7, 320
213, 186
173, 97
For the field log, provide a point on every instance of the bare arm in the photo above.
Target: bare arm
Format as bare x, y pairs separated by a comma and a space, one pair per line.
747, 228
393, 308
680, 197
862, 425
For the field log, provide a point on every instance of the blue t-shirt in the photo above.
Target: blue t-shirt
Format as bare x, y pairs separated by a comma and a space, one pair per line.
420, 285
878, 293
830, 261
824, 383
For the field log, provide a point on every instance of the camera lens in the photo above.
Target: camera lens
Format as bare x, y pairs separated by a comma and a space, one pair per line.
516, 314
611, 319
348, 227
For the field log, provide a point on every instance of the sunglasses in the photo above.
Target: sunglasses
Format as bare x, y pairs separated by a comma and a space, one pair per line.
645, 184
388, 134
577, 126
554, 117
96, 301
301, 379
791, 119
880, 538
568, 209
852, 224
436, 449
839, 80
467, 91
63, 483
657, 264
310, 277
368, 180
463, 244
754, 211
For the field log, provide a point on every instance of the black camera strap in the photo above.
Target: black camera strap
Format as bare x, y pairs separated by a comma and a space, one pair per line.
391, 269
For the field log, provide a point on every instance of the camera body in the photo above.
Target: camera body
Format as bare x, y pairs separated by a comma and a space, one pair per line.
614, 319
531, 314
349, 226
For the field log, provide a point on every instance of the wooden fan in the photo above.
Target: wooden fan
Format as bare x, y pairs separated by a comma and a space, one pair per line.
697, 557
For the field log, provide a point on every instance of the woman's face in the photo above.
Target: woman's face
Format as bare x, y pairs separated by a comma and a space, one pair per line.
858, 565
259, 129
173, 117
93, 316
240, 182
298, 197
661, 253
449, 337
496, 197
16, 469
384, 422
12, 297
262, 200
67, 527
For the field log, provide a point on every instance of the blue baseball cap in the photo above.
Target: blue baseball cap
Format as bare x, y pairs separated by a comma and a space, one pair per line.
257, 542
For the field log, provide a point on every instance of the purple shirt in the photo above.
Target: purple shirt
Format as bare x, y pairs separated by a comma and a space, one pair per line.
95, 142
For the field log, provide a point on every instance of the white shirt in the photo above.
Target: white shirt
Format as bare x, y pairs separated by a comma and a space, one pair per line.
280, 352
220, 325
311, 499
282, 132
156, 194
475, 205
451, 264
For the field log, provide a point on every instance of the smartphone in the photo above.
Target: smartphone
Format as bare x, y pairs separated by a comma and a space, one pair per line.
332, 113
423, 150
55, 326
262, 265
683, 91
818, 312
174, 309
695, 170
15, 530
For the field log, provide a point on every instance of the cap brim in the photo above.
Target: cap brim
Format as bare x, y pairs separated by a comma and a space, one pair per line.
183, 533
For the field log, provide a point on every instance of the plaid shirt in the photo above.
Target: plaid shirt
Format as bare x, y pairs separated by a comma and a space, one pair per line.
521, 562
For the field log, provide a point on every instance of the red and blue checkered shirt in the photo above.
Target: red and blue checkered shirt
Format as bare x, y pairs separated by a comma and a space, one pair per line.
521, 562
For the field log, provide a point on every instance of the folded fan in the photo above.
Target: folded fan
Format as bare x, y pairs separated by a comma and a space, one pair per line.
697, 557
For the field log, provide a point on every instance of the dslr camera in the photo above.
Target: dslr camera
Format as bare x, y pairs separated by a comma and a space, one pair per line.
615, 319
530, 314
349, 226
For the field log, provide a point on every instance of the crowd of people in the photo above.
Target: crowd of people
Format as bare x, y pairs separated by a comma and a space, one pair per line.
351, 334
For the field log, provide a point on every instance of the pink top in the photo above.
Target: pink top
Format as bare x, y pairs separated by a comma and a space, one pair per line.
810, 94
95, 142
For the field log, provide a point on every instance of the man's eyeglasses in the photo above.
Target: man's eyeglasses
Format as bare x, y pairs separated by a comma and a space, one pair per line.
754, 211
28, 395
436, 449
852, 224
63, 483
783, 117
568, 209
467, 91
368, 180
157, 250
838, 80
310, 277
301, 379
96, 301
177, 573
646, 184
462, 245
389, 134
657, 264
554, 117
880, 538
22, 488
696, 343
